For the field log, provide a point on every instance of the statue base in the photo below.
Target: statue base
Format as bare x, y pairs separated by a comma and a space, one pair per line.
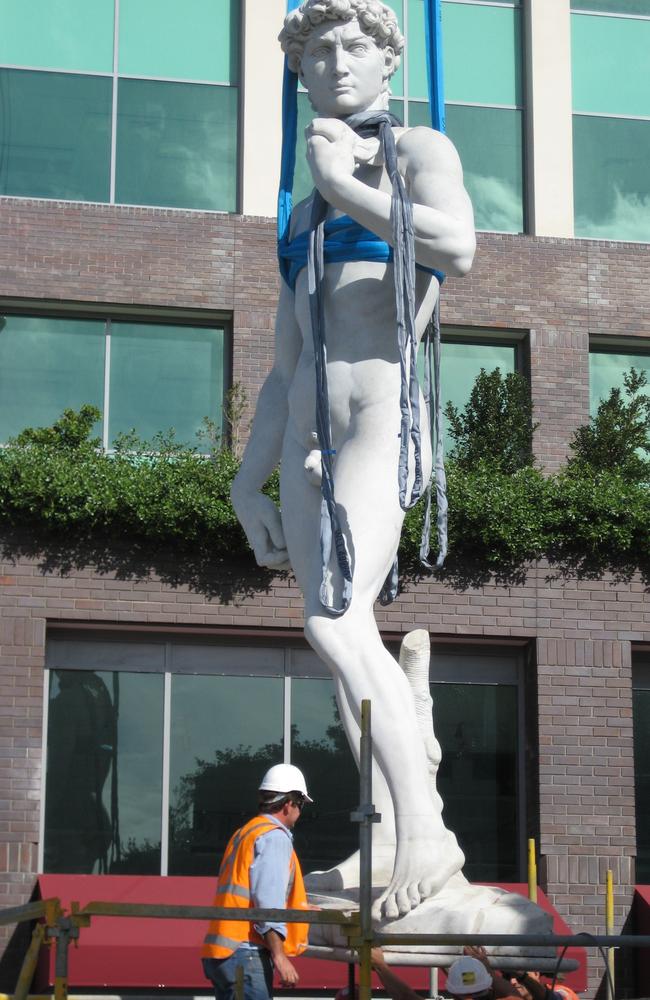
457, 909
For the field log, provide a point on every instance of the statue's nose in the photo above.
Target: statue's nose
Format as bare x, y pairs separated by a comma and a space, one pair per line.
340, 61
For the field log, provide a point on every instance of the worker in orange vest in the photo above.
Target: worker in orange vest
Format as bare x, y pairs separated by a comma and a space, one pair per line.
260, 869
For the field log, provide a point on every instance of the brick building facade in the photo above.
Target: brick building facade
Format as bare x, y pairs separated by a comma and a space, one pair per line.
579, 636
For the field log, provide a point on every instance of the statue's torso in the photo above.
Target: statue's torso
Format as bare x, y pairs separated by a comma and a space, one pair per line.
360, 330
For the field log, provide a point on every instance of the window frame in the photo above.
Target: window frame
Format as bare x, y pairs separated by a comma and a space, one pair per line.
289, 656
115, 76
192, 318
603, 344
595, 114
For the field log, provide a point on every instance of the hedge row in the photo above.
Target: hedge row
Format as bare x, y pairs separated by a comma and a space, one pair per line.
59, 490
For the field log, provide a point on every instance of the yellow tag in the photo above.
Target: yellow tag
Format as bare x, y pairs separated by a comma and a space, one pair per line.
469, 978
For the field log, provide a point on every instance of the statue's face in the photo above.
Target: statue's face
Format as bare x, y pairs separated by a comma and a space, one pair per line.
343, 70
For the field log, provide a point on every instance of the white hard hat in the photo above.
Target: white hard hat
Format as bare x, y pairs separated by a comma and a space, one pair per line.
285, 778
468, 975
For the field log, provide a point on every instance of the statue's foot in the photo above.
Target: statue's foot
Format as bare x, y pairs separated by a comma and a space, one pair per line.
422, 868
346, 875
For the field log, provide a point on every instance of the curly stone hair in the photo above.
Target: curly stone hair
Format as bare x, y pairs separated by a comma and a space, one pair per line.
375, 19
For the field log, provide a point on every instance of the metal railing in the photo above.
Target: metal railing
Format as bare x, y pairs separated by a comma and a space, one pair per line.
58, 928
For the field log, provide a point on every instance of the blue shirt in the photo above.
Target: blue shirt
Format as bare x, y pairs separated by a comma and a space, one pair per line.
269, 874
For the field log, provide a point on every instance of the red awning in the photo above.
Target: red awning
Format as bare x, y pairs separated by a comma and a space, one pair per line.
136, 953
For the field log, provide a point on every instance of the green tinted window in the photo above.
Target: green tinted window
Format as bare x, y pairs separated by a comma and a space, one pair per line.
481, 53
57, 34
606, 371
611, 178
47, 365
302, 181
610, 61
490, 144
319, 747
225, 733
103, 793
476, 726
461, 363
164, 377
195, 40
177, 145
613, 6
58, 144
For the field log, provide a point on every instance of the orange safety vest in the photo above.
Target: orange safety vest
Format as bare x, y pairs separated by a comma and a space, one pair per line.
233, 889
566, 992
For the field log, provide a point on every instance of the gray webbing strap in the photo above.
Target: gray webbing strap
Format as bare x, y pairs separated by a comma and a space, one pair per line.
431, 344
330, 525
380, 123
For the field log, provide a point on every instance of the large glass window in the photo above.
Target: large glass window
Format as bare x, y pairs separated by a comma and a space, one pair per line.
324, 835
58, 34
104, 772
611, 124
613, 6
484, 101
55, 135
177, 145
168, 740
171, 137
147, 377
47, 366
465, 351
641, 718
223, 736
478, 718
607, 366
196, 40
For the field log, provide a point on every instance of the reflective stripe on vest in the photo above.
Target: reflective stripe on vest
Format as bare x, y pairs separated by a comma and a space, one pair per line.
233, 890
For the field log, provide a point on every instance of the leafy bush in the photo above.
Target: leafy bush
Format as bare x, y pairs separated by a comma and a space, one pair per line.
617, 439
58, 478
163, 507
496, 424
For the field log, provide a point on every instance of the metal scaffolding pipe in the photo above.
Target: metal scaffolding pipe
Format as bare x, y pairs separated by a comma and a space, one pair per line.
580, 940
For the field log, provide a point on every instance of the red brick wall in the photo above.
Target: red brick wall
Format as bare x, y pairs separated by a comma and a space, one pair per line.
558, 291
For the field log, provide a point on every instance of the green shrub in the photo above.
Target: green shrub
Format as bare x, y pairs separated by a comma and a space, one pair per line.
617, 439
167, 507
496, 424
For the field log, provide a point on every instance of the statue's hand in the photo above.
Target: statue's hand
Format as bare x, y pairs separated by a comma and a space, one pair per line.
331, 147
260, 519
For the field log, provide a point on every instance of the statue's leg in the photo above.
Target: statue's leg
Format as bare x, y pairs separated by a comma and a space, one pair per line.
414, 659
427, 855
346, 874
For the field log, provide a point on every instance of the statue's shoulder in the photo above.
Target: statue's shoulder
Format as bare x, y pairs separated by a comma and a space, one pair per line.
422, 147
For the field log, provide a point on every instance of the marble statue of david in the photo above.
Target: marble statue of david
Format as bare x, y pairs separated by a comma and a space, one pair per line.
345, 52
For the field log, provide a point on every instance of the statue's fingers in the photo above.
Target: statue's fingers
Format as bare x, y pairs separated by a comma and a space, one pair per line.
332, 129
277, 559
276, 533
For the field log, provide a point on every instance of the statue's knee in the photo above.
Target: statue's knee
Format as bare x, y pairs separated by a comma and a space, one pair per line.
325, 635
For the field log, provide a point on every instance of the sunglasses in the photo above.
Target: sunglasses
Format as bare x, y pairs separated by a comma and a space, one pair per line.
299, 802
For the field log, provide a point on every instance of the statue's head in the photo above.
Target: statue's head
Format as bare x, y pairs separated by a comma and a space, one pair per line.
344, 51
